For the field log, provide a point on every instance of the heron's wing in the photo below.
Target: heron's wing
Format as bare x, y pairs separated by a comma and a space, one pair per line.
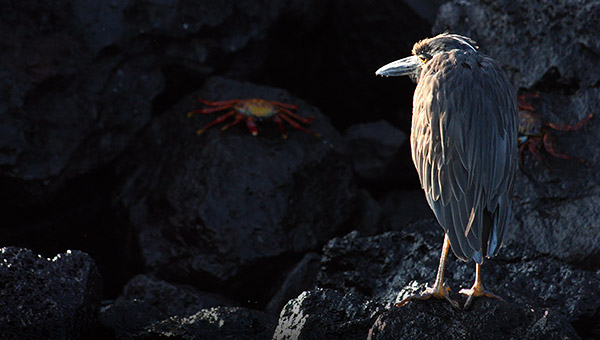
463, 140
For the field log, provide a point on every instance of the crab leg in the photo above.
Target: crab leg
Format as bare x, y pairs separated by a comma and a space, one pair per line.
522, 153
522, 101
251, 126
218, 103
289, 106
534, 147
551, 148
298, 127
308, 120
238, 118
566, 127
281, 127
207, 110
216, 121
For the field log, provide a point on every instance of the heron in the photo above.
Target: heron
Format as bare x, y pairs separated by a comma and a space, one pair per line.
464, 147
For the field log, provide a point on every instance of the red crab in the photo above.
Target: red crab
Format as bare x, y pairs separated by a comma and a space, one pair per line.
534, 132
251, 109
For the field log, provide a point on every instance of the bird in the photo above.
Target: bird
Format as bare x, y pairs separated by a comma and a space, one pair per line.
464, 147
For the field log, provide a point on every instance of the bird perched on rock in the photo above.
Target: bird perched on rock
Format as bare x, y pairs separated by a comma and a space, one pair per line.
464, 146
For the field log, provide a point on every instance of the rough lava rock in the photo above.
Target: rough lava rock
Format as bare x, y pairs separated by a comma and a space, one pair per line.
147, 300
326, 314
386, 266
393, 265
66, 107
301, 278
489, 320
402, 207
47, 298
373, 148
364, 276
213, 323
533, 40
207, 208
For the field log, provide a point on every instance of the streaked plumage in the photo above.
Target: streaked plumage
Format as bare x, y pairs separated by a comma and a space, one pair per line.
463, 140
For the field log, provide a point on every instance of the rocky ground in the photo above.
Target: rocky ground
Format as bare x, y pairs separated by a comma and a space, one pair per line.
121, 222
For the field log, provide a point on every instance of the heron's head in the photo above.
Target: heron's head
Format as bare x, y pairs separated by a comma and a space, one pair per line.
423, 52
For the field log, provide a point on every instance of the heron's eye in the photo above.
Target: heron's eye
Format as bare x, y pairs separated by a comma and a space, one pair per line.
424, 58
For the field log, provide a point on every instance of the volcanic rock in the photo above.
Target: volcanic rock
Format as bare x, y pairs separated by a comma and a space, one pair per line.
44, 298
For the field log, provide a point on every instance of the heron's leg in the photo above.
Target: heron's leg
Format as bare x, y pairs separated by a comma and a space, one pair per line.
477, 289
439, 289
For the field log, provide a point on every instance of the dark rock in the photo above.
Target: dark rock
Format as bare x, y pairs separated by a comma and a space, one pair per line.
558, 222
214, 207
330, 314
400, 208
66, 109
373, 148
367, 265
326, 314
425, 9
533, 40
214, 323
147, 300
369, 216
47, 298
302, 277
490, 320
393, 265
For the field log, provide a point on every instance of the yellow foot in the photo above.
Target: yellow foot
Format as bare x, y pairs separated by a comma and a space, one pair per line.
477, 292
438, 293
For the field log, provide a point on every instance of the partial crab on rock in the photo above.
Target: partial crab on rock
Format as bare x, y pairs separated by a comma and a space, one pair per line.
534, 132
254, 109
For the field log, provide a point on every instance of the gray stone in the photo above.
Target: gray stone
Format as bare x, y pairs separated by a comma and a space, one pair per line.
302, 277
373, 148
389, 266
213, 323
533, 40
490, 320
66, 108
44, 298
400, 208
147, 300
326, 314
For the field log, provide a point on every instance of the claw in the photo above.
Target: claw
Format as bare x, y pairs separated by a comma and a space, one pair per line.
438, 293
476, 292
251, 126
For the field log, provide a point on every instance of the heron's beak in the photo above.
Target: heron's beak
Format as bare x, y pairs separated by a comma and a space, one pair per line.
403, 67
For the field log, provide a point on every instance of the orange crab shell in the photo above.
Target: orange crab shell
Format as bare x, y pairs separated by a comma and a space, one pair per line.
256, 107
